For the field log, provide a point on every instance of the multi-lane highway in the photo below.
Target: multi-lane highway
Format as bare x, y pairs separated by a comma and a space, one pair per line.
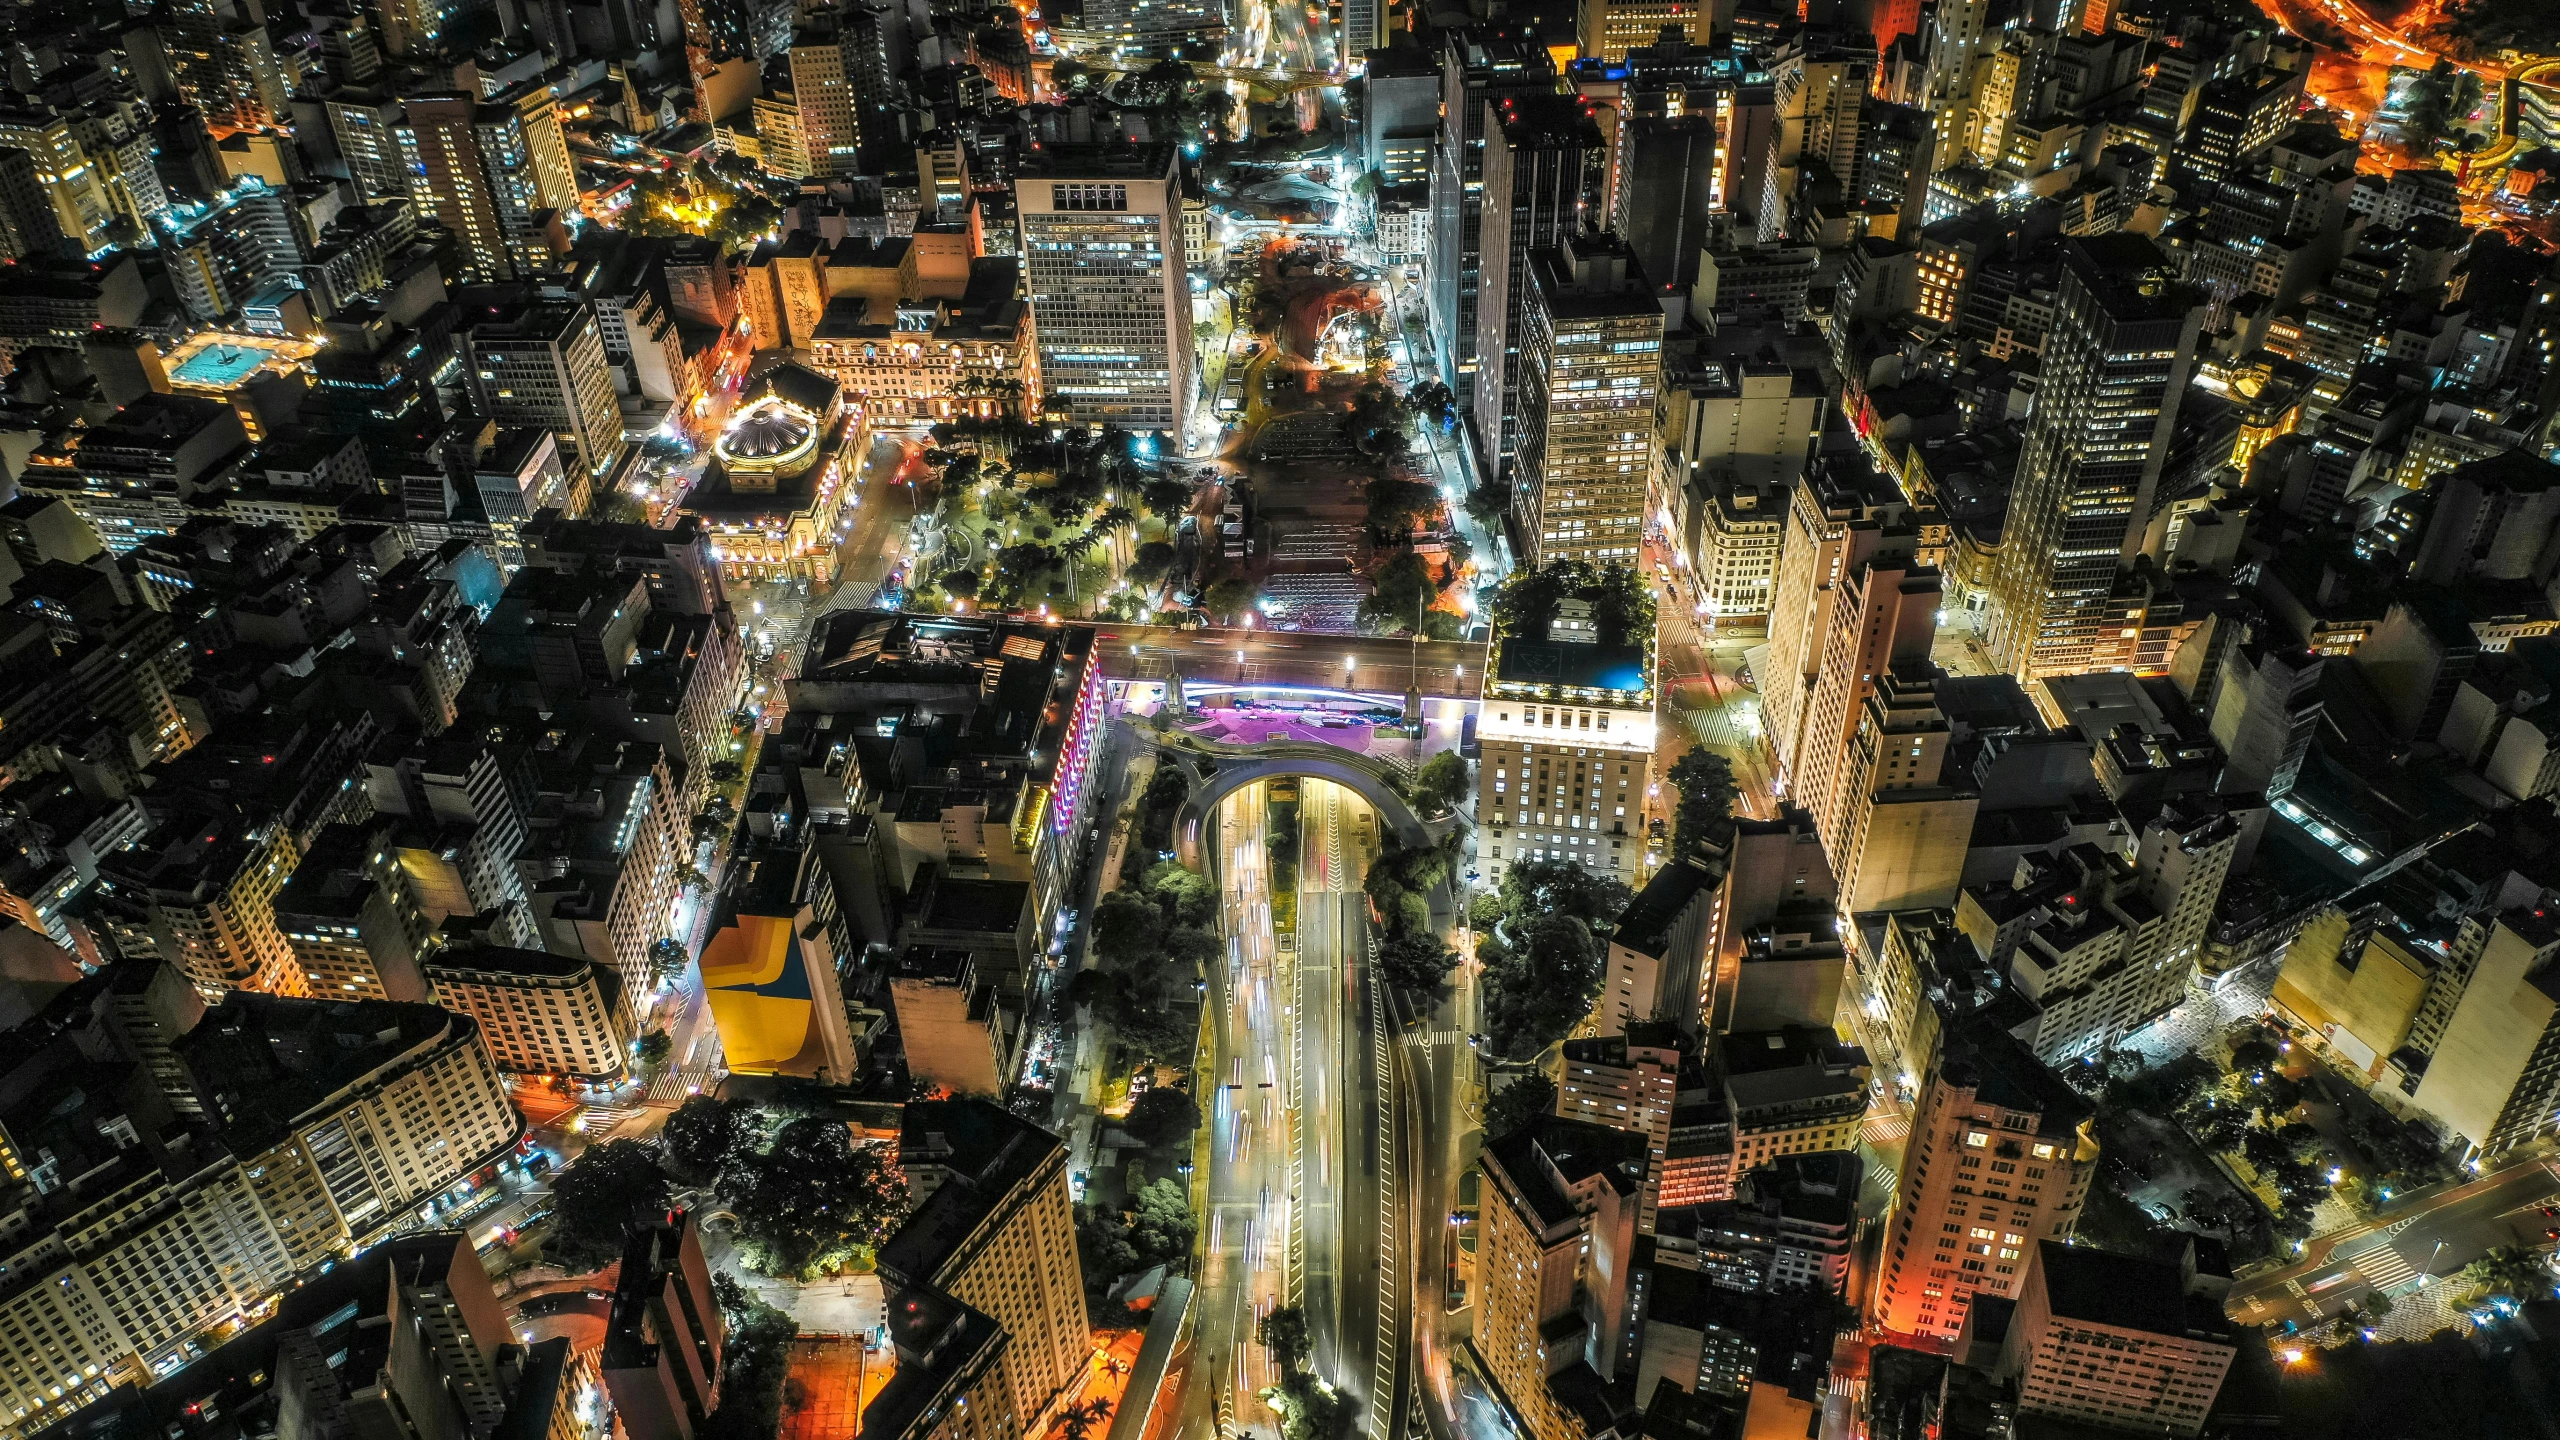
1251, 1195
2434, 1235
1304, 1204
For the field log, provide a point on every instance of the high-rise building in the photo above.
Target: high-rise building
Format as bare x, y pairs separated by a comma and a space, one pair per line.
1883, 613
1591, 353
1545, 165
1662, 189
1819, 85
539, 1013
716, 32
543, 365
352, 923
219, 59
1608, 29
993, 1232
1476, 66
1567, 731
831, 102
494, 172
1555, 1268
1630, 1082
2116, 361
365, 124
1110, 292
1400, 115
664, 1335
1903, 824
2000, 1157
199, 893
2116, 1342
2487, 1079
1838, 516
70, 186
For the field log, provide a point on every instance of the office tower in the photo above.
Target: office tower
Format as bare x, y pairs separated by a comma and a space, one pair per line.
1563, 775
1657, 952
1818, 86
1110, 292
664, 1335
540, 1013
2239, 119
1608, 29
1544, 168
715, 33
2000, 1157
1662, 189
2485, 1079
1630, 1082
1363, 30
493, 172
220, 60
1560, 1201
199, 893
366, 126
1796, 1090
28, 228
993, 1230
543, 365
2117, 1342
1476, 66
74, 196
1400, 114
1904, 822
1883, 614
832, 103
352, 923
411, 27
1591, 367
2116, 362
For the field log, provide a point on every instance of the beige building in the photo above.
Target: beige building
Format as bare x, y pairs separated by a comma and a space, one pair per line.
335, 1122
2116, 1342
543, 366
1628, 1082
1560, 1202
994, 1230
1883, 615
1797, 1091
2359, 1001
1105, 267
2487, 1081
1566, 761
1734, 543
352, 921
1903, 829
539, 1013
920, 361
200, 894
1590, 369
2000, 1157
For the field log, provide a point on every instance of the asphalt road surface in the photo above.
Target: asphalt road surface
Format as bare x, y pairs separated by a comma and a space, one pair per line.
2439, 1234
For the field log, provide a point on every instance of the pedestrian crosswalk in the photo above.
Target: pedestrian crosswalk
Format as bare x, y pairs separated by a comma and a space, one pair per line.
1425, 1039
2384, 1266
1881, 1179
1886, 1129
599, 1119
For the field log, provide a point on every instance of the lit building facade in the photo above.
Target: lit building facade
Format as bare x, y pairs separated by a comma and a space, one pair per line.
1108, 278
1566, 761
1592, 368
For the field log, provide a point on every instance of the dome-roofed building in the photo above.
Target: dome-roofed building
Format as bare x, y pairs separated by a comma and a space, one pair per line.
779, 472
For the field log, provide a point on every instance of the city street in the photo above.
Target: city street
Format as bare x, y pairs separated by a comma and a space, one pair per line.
1700, 688
2435, 1235
1379, 664
1249, 1221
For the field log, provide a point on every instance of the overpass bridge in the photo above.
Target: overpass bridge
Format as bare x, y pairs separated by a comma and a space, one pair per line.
1364, 666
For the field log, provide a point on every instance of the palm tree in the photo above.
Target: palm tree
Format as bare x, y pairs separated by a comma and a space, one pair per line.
1079, 1419
1120, 524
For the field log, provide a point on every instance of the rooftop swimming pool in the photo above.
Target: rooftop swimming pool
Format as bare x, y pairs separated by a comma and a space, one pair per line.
219, 366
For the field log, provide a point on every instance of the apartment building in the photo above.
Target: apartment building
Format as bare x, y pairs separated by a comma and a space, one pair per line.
539, 1013
1555, 1264
2000, 1158
1587, 375
2117, 1342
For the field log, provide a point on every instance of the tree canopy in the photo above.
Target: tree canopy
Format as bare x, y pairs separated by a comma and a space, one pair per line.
811, 1201
1704, 780
602, 1192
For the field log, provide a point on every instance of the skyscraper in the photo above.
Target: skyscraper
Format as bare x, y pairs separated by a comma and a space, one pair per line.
1591, 366
1608, 29
1477, 66
2000, 1158
1544, 166
496, 173
1819, 86
2116, 362
1560, 1203
1102, 246
830, 114
544, 365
